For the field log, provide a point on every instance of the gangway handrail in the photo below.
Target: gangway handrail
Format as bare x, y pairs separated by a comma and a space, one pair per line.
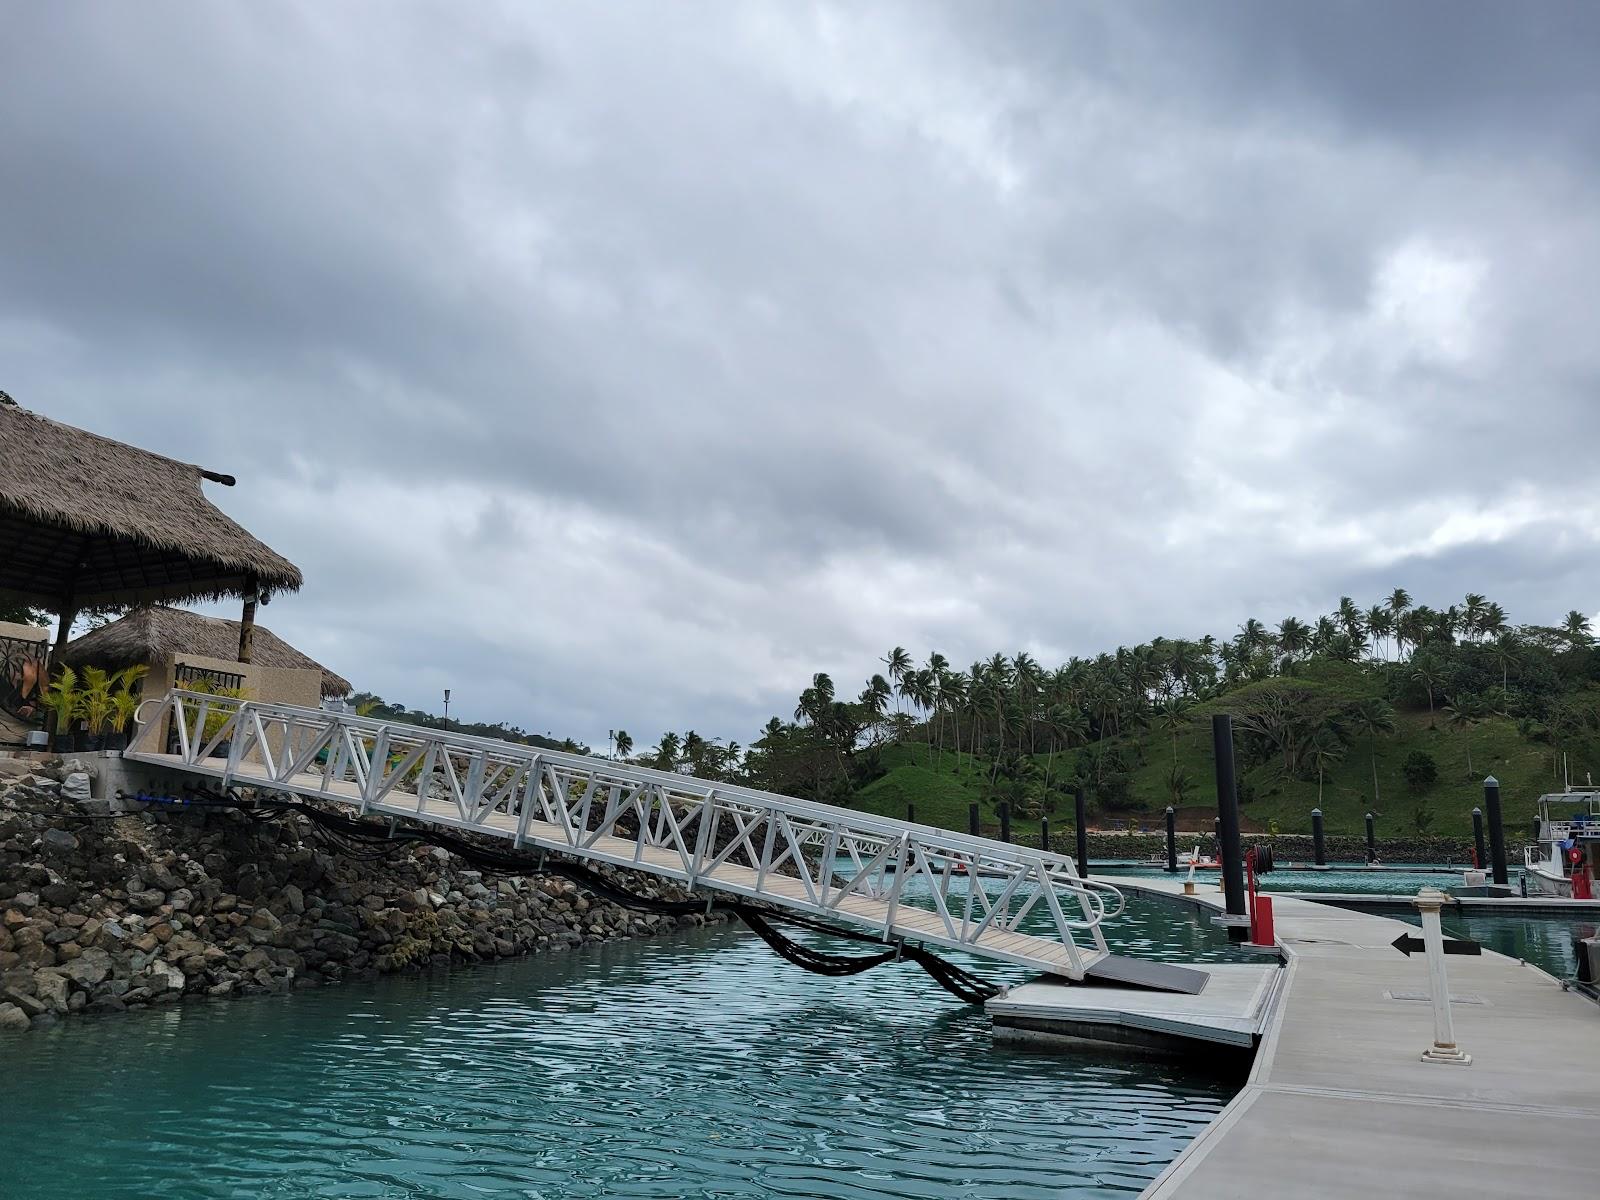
744, 840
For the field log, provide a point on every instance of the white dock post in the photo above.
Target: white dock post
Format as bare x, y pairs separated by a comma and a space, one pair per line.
1444, 1049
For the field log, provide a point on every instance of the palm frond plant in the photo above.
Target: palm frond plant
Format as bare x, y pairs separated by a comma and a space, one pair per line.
217, 718
63, 700
124, 704
95, 704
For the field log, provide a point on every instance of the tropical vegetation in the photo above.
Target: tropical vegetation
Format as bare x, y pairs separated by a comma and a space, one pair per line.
1332, 711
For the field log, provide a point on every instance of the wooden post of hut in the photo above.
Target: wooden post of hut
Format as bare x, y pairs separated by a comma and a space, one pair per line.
69, 614
247, 620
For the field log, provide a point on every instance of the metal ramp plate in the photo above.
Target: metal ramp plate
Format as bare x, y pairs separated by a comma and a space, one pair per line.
1233, 1011
1114, 969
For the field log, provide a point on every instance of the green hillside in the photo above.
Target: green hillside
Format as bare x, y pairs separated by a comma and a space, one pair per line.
1397, 708
941, 793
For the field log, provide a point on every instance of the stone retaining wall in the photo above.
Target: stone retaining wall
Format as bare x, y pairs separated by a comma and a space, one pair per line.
101, 914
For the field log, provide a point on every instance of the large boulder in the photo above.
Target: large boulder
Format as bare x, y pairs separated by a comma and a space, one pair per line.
146, 900
89, 968
58, 842
59, 894
12, 1018
53, 989
163, 877
162, 977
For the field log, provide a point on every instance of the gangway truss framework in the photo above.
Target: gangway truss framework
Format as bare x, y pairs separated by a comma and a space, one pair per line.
900, 880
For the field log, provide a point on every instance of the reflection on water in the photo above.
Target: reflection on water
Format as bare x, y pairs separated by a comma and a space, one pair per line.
1546, 942
694, 1065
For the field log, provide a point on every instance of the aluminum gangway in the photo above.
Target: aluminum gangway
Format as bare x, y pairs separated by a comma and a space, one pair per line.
900, 880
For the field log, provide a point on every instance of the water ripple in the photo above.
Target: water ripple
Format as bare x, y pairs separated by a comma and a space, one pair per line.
691, 1066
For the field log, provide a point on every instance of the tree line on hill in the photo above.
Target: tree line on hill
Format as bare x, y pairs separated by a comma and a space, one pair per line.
1304, 696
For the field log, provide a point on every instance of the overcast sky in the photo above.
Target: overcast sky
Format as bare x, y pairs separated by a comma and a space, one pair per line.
624, 364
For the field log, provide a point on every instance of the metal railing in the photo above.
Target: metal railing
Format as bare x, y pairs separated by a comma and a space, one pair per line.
900, 879
183, 674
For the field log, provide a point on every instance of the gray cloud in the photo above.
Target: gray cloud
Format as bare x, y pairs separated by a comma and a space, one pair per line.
614, 367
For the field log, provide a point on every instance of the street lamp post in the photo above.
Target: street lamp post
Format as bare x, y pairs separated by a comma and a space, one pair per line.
447, 704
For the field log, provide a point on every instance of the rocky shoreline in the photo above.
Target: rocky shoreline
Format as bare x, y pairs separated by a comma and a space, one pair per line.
102, 913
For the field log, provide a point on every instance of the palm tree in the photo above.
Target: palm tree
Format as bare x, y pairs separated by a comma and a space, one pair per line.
1349, 617
1449, 623
1187, 663
1324, 751
1253, 637
1505, 652
1428, 679
666, 757
939, 670
922, 692
623, 742
1324, 633
694, 749
1576, 626
1293, 638
997, 677
875, 700
1380, 623
1464, 712
1066, 724
1472, 612
1025, 671
1493, 621
1410, 628
954, 694
1399, 602
1373, 716
1171, 720
898, 662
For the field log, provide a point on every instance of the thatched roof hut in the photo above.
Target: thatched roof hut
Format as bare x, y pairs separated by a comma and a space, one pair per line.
86, 521
156, 632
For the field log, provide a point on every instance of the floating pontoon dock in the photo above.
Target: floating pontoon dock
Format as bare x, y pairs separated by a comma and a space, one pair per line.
1340, 1104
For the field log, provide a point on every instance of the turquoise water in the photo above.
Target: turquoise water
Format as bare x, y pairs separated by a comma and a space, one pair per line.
695, 1065
1546, 942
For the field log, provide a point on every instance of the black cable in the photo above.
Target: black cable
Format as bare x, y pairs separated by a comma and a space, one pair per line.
367, 840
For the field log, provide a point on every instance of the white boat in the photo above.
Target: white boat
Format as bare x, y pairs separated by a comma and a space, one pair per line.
1187, 859
1565, 858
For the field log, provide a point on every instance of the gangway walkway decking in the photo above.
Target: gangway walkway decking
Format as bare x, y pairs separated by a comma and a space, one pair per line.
903, 881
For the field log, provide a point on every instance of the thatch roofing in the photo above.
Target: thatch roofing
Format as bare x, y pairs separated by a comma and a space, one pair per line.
156, 632
111, 524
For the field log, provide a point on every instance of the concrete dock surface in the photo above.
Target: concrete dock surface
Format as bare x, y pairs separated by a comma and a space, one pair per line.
1339, 1103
